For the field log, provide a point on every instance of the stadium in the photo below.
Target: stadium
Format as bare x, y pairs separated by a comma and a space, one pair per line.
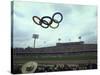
62, 57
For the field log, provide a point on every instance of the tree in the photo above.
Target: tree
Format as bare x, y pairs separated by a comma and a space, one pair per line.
79, 38
59, 39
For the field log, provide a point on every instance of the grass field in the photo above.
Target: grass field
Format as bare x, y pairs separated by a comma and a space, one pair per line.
49, 58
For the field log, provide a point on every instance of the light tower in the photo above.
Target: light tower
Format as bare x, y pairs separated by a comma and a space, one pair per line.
35, 36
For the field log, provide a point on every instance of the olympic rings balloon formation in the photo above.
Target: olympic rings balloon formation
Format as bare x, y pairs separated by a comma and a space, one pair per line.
45, 24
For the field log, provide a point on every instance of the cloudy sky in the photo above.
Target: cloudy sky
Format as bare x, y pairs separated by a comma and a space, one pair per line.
78, 20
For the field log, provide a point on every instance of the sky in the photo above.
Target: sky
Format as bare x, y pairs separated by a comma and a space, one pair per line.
78, 20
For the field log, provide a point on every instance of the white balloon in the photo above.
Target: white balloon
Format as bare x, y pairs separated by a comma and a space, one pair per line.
29, 64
